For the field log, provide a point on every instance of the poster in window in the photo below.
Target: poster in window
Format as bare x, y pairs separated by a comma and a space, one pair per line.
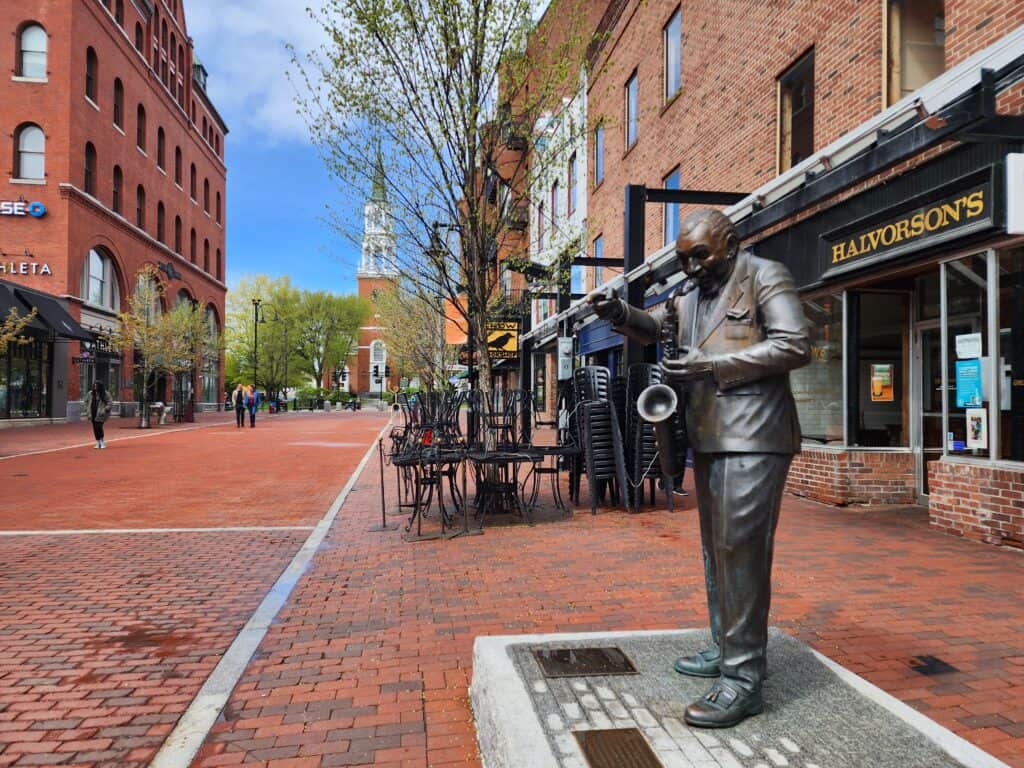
977, 428
968, 383
882, 390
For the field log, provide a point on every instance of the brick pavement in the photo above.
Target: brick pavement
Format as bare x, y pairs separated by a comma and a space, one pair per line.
370, 661
105, 638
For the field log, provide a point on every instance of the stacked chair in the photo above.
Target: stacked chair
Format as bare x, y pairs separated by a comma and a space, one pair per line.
600, 435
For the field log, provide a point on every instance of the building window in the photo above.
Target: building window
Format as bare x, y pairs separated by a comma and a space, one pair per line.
92, 67
118, 103
206, 195
673, 39
140, 128
30, 161
206, 256
139, 38
161, 215
177, 235
796, 113
32, 44
571, 189
1010, 374
554, 208
117, 194
220, 266
598, 155
217, 210
878, 381
192, 246
818, 386
192, 182
540, 227
670, 228
140, 207
99, 280
119, 12
632, 110
916, 45
161, 147
598, 254
90, 169
177, 166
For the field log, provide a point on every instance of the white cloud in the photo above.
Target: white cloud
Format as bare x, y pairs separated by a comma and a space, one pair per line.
243, 45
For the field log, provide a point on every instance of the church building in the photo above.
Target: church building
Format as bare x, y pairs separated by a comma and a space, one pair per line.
377, 273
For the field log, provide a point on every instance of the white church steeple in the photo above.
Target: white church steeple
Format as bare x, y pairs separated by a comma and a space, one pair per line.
379, 256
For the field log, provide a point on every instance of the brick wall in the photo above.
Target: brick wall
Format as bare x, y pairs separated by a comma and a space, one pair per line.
853, 477
977, 501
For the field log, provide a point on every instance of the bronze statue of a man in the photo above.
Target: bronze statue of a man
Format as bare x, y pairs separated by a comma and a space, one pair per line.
738, 338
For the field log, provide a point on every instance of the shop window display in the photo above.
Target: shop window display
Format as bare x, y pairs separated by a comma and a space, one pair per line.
967, 357
818, 386
878, 366
1011, 354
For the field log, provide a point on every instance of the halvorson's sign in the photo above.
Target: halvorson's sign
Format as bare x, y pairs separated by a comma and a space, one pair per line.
935, 218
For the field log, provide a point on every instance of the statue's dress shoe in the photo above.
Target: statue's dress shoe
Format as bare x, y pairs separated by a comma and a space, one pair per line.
723, 706
703, 664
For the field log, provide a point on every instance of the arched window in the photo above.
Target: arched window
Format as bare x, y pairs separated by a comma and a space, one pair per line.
220, 266
378, 352
140, 128
32, 52
118, 103
218, 208
206, 195
204, 127
140, 207
177, 235
30, 158
119, 12
183, 297
217, 144
139, 37
92, 71
192, 182
163, 33
161, 147
90, 169
177, 166
161, 216
206, 256
192, 246
99, 280
118, 189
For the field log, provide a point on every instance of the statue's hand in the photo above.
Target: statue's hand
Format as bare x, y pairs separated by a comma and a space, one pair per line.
692, 365
606, 305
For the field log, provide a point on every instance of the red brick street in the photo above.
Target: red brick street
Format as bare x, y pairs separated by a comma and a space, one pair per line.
107, 635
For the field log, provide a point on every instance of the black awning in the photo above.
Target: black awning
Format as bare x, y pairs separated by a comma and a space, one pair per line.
54, 315
8, 301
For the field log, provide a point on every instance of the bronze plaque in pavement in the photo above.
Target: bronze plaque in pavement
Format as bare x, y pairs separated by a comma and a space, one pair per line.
583, 662
617, 748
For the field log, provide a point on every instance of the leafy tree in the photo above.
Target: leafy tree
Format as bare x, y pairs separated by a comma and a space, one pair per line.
276, 334
421, 79
328, 330
414, 333
12, 326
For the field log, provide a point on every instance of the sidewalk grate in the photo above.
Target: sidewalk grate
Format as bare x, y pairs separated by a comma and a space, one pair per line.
583, 662
931, 665
617, 748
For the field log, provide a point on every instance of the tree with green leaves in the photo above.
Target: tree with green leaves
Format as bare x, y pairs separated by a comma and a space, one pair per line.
447, 89
328, 327
414, 331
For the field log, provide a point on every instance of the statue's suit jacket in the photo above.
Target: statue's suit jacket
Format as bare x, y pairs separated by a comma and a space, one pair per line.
755, 334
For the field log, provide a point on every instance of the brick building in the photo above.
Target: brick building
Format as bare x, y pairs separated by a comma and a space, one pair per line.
111, 136
874, 149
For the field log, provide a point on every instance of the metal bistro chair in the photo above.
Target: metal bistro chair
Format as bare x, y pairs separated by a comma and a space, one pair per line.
564, 451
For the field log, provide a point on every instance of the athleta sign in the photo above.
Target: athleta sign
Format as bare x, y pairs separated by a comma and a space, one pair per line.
22, 208
24, 268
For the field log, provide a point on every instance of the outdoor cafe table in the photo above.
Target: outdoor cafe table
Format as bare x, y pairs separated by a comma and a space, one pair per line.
500, 492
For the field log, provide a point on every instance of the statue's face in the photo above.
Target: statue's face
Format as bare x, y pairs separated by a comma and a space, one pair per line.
705, 253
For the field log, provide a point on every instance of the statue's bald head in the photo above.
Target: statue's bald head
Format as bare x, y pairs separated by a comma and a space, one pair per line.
707, 245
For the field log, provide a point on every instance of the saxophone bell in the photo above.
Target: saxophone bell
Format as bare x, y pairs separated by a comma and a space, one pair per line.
658, 404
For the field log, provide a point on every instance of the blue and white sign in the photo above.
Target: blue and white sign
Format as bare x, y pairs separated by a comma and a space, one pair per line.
968, 383
22, 208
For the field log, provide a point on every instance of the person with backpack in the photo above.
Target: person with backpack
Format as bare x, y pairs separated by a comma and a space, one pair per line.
238, 401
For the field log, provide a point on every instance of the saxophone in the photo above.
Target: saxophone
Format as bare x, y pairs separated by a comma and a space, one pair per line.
658, 404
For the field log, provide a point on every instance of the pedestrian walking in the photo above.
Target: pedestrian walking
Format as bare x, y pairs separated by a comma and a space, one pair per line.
238, 401
253, 403
97, 405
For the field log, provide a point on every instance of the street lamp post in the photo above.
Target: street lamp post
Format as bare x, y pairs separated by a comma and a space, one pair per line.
256, 340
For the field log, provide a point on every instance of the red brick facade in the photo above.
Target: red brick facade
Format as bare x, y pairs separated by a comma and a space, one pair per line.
158, 76
844, 477
977, 501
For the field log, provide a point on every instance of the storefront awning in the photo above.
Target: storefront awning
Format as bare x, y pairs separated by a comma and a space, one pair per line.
9, 301
53, 315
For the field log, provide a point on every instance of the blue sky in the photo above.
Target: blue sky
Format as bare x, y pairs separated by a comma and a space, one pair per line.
278, 189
